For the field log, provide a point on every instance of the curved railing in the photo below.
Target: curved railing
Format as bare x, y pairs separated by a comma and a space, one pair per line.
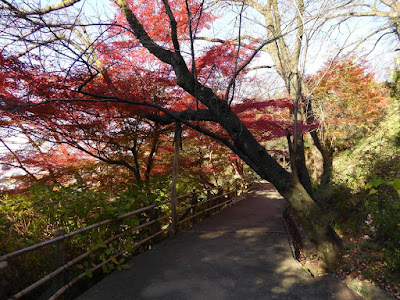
156, 220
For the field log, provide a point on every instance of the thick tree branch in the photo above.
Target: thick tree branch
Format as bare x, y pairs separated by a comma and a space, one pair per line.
244, 143
39, 11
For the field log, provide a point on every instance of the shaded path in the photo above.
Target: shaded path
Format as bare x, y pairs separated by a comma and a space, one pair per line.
240, 253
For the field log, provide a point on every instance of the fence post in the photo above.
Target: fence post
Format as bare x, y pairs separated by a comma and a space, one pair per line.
220, 193
177, 141
4, 284
59, 257
194, 201
156, 226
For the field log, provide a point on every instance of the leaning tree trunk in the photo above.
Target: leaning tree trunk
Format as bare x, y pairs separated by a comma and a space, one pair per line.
241, 141
313, 219
319, 232
318, 229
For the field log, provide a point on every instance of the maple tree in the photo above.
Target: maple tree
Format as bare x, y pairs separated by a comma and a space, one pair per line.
347, 102
139, 72
105, 132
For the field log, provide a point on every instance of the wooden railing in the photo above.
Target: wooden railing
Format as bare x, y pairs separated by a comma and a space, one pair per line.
191, 208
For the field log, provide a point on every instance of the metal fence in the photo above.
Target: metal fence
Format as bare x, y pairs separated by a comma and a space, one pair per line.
155, 221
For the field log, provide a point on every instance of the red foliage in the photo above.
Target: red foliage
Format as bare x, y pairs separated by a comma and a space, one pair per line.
155, 21
50, 107
347, 96
269, 119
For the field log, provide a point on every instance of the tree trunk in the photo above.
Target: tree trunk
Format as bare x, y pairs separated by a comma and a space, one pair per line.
327, 160
301, 168
318, 229
327, 157
319, 232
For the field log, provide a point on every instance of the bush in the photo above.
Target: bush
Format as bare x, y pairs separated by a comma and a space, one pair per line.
383, 206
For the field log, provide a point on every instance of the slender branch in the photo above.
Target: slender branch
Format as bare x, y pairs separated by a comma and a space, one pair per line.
236, 60
189, 115
235, 40
371, 35
182, 117
245, 64
21, 166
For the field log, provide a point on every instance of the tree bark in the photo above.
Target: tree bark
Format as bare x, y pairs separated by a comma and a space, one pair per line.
327, 160
319, 232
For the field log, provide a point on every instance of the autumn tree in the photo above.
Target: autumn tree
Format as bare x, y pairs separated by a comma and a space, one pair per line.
101, 131
347, 102
168, 32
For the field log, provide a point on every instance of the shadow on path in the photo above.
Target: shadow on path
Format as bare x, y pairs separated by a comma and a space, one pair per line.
240, 253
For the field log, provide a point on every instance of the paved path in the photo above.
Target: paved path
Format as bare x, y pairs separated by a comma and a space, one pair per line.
240, 253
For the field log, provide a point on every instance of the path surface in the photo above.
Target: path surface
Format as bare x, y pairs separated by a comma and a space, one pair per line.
240, 253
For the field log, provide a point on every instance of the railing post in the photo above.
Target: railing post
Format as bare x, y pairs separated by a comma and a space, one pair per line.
194, 202
4, 284
3, 265
156, 226
220, 193
177, 141
59, 258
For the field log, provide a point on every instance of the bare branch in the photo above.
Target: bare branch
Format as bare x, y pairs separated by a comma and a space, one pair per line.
246, 63
20, 164
236, 60
39, 11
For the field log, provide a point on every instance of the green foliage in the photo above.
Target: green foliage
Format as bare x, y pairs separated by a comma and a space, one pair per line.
36, 214
384, 207
366, 190
344, 205
394, 84
33, 216
392, 260
376, 155
374, 183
